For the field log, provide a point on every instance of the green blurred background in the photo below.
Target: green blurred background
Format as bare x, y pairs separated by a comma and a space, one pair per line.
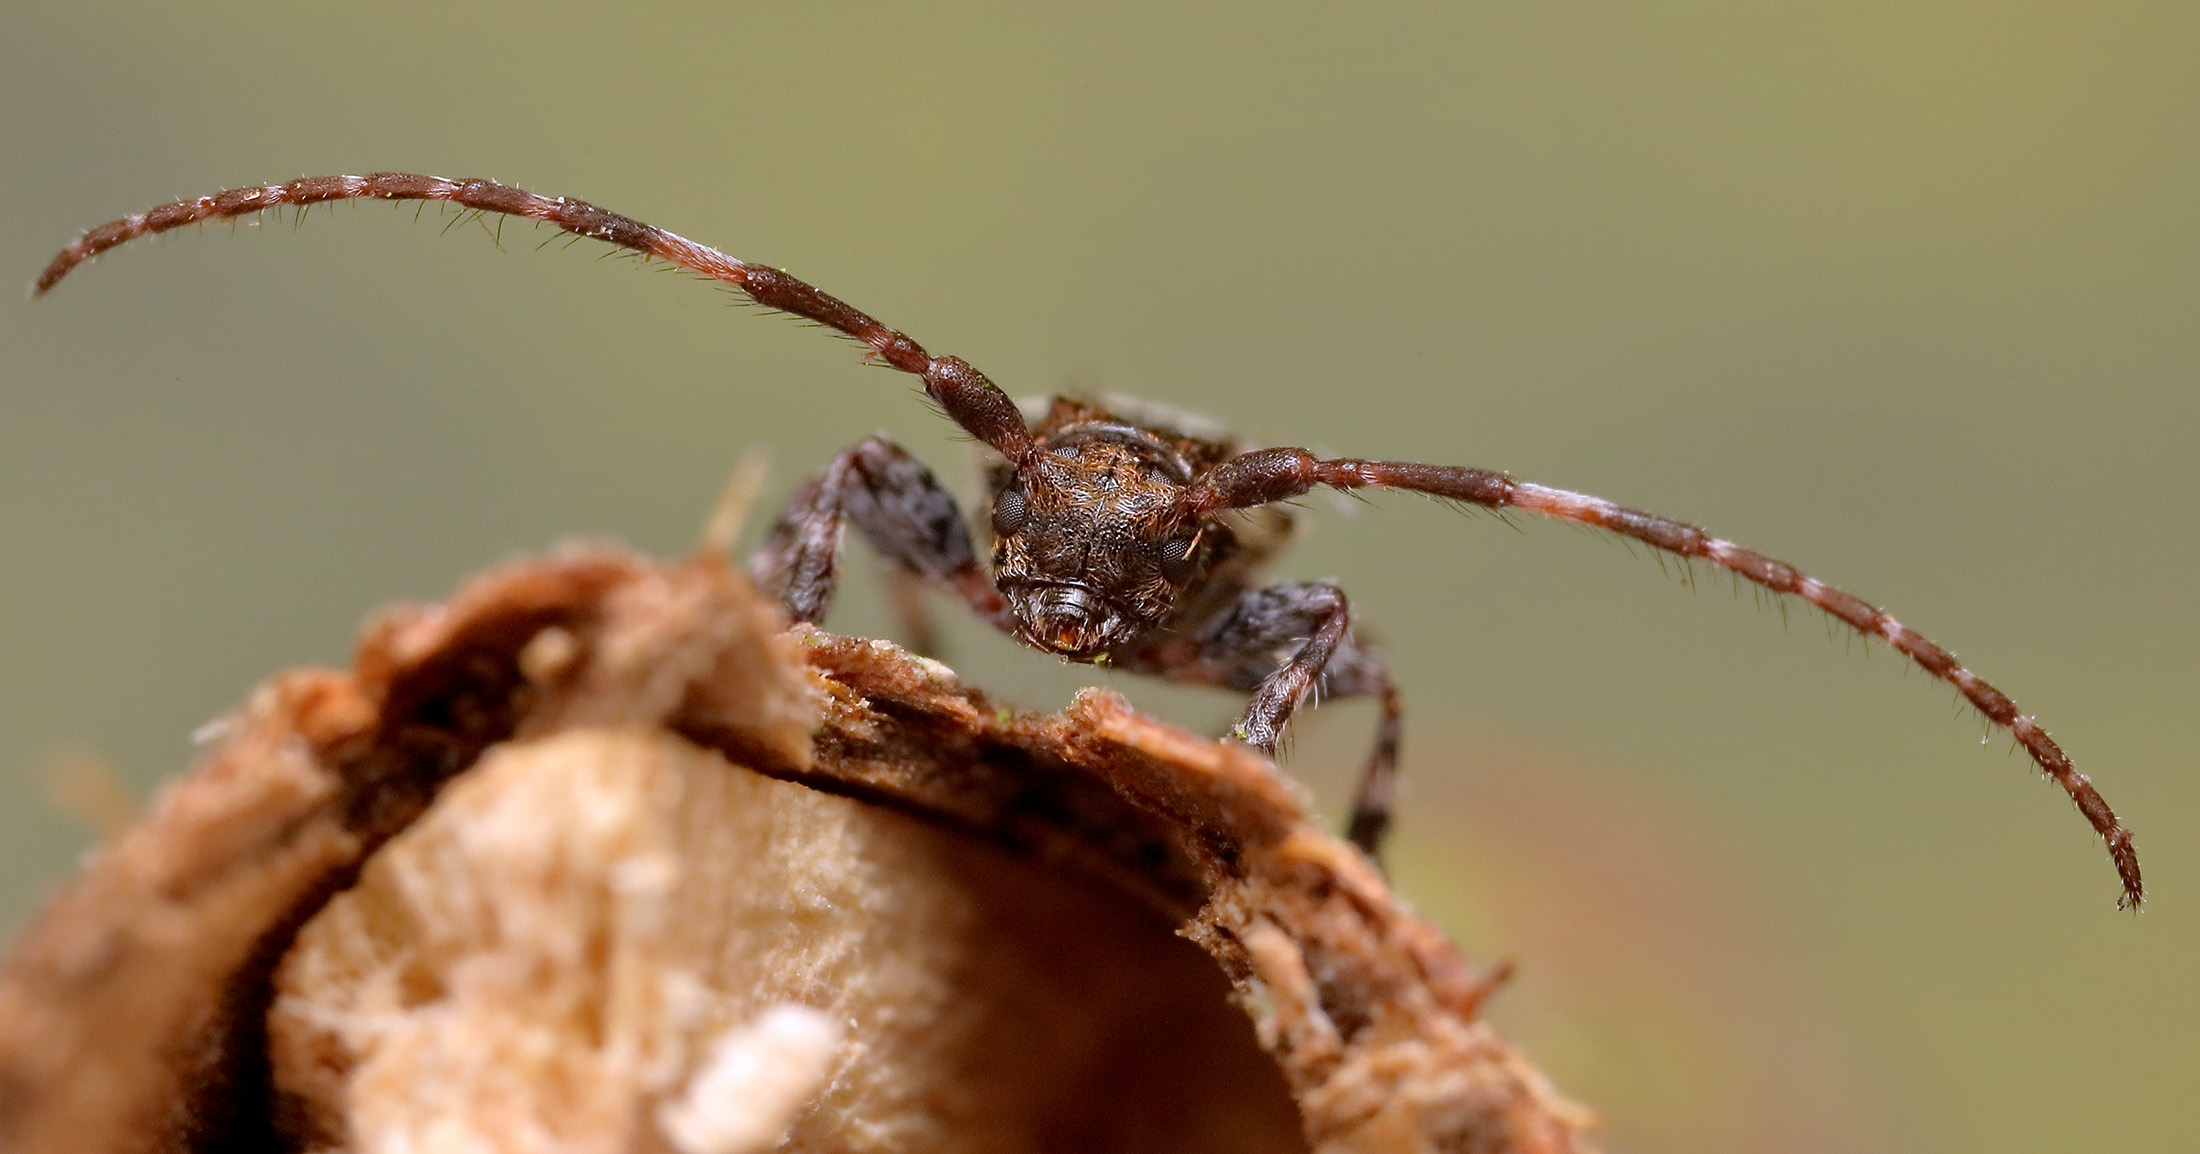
1907, 294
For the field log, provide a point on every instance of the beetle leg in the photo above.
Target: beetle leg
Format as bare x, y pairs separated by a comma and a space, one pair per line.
898, 506
1289, 646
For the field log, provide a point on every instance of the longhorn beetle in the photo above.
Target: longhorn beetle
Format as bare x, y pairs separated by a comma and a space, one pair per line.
1125, 537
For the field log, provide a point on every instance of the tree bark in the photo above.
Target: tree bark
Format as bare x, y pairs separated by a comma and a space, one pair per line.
602, 855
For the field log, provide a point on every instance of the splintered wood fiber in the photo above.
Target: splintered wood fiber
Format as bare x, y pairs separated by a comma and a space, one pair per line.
555, 945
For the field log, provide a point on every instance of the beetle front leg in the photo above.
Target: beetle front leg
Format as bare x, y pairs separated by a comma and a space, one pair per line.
1290, 645
898, 506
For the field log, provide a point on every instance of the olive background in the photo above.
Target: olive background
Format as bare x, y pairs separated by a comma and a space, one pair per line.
1907, 294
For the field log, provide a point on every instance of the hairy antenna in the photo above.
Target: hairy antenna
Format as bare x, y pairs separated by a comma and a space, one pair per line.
970, 399
1267, 475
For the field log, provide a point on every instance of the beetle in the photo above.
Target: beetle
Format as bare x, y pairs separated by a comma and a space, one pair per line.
1121, 535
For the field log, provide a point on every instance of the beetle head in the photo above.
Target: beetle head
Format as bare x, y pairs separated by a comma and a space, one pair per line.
1091, 548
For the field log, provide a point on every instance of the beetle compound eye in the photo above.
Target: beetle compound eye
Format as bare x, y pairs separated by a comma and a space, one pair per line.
1177, 556
1009, 511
